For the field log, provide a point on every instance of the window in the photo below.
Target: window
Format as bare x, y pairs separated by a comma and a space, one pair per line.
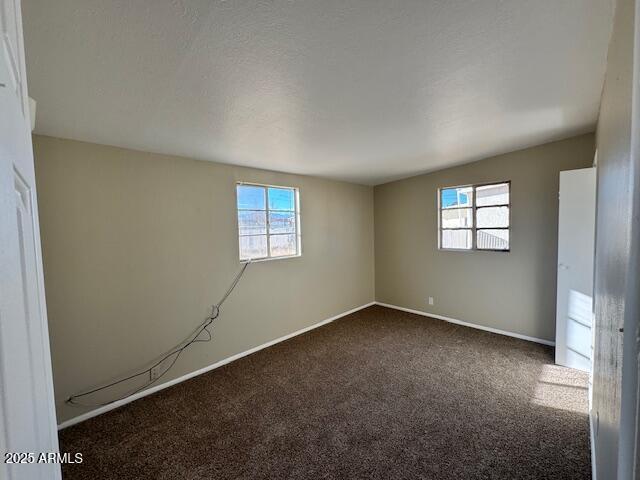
268, 221
475, 217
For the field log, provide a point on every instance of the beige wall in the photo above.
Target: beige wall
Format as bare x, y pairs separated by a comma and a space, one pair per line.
614, 296
138, 246
512, 291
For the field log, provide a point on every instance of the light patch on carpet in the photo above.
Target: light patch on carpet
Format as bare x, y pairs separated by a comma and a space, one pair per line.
556, 388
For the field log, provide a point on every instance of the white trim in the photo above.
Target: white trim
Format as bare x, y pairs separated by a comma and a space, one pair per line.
471, 325
144, 393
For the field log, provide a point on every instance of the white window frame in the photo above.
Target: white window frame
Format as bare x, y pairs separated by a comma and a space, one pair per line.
298, 236
474, 209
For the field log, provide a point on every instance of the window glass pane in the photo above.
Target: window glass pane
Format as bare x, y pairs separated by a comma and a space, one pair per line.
456, 239
457, 218
253, 247
493, 239
282, 222
497, 194
492, 217
251, 197
252, 222
281, 199
282, 245
456, 197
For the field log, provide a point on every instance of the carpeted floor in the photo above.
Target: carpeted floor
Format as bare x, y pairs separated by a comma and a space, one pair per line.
380, 394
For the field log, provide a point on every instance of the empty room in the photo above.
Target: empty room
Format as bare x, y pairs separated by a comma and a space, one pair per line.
341, 239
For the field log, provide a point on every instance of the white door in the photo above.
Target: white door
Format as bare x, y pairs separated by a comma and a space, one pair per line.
576, 237
27, 411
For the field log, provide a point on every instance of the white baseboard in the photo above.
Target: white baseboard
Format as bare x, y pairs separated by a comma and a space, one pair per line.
144, 393
471, 325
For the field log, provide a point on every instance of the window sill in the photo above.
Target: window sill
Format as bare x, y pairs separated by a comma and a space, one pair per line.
268, 259
469, 250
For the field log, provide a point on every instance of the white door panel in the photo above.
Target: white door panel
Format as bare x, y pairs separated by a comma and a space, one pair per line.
27, 413
576, 236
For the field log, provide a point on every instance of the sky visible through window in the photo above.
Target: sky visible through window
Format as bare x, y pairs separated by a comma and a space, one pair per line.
253, 198
281, 199
450, 198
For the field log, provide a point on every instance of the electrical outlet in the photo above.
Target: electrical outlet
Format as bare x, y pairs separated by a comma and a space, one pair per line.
430, 300
154, 373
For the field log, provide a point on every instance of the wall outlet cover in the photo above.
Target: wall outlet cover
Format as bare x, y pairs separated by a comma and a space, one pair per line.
430, 300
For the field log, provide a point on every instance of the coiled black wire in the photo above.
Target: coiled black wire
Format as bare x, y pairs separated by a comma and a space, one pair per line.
175, 352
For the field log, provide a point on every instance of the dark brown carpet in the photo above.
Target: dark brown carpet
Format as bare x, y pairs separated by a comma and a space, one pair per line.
379, 394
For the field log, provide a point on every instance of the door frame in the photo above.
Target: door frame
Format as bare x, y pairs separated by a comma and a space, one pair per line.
18, 153
629, 434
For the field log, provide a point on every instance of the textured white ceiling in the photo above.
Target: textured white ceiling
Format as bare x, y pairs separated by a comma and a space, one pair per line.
359, 90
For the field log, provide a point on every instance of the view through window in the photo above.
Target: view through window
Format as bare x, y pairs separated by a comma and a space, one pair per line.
475, 217
268, 221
